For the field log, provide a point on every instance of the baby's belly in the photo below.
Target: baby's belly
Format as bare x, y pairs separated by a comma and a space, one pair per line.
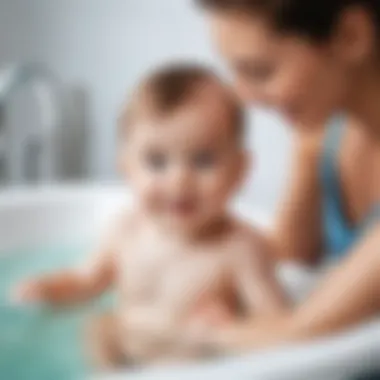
155, 333
149, 333
158, 313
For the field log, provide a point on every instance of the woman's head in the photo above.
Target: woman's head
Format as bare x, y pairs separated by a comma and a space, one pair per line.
303, 57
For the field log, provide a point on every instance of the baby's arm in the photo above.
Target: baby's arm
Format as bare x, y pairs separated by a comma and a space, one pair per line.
255, 278
74, 285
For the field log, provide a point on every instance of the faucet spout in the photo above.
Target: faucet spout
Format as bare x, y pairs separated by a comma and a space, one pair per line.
39, 150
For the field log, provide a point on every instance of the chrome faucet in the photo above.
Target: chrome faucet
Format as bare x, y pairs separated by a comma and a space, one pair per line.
37, 159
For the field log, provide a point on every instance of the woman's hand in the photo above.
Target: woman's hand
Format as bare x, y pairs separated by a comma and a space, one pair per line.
256, 334
349, 295
215, 330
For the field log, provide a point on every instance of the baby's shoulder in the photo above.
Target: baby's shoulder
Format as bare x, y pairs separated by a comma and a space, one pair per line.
122, 227
248, 240
246, 234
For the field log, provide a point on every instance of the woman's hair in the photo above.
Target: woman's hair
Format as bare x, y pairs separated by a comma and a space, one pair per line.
314, 19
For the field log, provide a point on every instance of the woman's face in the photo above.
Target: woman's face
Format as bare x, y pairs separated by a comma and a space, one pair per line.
305, 82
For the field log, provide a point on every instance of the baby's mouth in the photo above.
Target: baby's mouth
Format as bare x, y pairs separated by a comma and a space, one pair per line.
183, 207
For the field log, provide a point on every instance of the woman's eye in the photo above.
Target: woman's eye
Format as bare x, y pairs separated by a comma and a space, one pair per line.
204, 160
156, 161
258, 71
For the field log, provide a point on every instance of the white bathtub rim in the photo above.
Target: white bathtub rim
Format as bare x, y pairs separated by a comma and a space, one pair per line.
16, 201
80, 209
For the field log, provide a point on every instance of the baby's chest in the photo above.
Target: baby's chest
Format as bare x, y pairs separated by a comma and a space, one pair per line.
167, 274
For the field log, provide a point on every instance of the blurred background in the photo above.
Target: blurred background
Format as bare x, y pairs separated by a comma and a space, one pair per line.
65, 68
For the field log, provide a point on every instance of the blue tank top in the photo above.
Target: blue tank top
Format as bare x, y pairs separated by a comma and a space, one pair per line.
339, 235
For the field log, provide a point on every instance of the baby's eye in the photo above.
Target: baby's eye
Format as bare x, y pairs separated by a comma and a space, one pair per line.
204, 160
156, 161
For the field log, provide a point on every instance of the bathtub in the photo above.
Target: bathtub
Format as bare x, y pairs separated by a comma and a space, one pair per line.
73, 213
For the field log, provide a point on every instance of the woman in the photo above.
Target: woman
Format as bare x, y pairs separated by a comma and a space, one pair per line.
312, 60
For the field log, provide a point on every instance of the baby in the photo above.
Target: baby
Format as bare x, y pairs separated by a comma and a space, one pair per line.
179, 261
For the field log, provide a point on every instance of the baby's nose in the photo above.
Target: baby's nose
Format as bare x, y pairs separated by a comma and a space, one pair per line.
181, 179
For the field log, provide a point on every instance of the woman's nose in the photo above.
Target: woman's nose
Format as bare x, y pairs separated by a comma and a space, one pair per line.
251, 94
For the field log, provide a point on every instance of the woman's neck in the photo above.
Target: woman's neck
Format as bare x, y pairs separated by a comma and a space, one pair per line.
364, 105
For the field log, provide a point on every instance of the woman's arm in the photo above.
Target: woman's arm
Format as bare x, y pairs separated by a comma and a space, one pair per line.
349, 295
297, 233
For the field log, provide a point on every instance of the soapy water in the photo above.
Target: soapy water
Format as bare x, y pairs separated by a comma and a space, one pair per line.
38, 342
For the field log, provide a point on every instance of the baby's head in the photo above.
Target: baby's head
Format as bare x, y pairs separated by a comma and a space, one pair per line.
181, 146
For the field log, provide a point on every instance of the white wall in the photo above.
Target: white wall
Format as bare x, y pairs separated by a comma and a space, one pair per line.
102, 47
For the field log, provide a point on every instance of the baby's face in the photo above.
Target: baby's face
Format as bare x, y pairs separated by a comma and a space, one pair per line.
184, 167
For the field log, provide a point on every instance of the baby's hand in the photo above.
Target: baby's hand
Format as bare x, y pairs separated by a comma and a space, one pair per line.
62, 288
28, 292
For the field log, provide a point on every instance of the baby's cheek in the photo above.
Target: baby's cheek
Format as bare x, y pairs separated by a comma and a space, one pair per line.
150, 192
153, 200
216, 191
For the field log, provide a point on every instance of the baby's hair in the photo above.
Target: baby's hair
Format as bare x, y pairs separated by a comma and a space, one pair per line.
169, 88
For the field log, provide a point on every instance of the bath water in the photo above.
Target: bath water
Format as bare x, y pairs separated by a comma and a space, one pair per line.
38, 342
